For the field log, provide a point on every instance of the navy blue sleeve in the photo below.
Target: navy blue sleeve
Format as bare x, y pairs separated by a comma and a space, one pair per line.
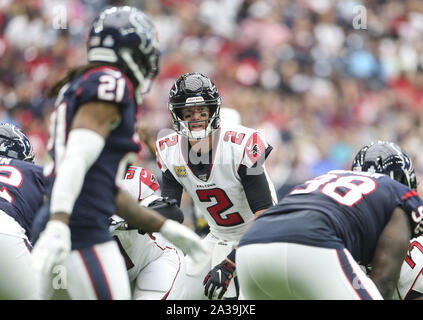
413, 206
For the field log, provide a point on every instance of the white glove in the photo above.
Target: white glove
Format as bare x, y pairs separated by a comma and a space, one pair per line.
52, 247
185, 239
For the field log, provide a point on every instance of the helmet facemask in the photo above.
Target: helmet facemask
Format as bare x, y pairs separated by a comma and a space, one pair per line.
183, 126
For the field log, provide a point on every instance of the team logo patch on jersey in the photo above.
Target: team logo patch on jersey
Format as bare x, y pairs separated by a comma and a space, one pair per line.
255, 147
254, 151
180, 171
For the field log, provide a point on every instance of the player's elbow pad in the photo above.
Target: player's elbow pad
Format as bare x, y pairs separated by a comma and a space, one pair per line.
82, 150
168, 208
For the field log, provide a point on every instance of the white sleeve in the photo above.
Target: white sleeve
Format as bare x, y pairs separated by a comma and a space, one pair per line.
140, 183
160, 161
82, 150
255, 149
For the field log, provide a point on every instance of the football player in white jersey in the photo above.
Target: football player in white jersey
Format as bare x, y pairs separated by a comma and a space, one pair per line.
156, 268
410, 283
222, 170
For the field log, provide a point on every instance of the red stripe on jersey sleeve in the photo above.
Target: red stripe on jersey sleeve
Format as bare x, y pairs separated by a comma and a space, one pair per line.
409, 194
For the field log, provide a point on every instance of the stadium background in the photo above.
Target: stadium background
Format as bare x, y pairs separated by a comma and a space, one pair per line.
321, 78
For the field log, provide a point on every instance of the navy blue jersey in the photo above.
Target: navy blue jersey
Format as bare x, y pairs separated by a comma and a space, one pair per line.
341, 208
22, 190
89, 221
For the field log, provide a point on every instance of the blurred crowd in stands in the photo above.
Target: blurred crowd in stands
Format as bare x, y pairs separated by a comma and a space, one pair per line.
320, 78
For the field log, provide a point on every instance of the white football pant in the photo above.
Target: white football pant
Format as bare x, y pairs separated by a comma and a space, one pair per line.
163, 278
196, 272
279, 271
17, 278
93, 273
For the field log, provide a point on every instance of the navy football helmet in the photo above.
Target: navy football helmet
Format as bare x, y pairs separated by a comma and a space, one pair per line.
126, 37
387, 158
15, 144
194, 89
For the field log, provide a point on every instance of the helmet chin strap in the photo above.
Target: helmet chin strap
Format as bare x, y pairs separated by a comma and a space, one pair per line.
196, 134
136, 72
200, 134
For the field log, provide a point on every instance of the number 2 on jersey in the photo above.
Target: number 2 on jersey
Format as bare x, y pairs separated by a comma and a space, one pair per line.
12, 178
223, 204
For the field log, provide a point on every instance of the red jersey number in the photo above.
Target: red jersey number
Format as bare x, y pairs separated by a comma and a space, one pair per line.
223, 204
414, 244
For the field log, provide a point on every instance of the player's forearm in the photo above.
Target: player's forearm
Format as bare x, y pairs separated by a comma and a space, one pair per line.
171, 188
386, 286
137, 216
231, 257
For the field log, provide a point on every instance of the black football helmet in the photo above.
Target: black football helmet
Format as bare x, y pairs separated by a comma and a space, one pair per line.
387, 158
194, 89
15, 144
126, 37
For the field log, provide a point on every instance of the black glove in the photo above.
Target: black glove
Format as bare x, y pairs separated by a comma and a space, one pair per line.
168, 208
219, 277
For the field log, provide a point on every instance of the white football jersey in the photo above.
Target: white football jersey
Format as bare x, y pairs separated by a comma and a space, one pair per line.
221, 198
411, 277
140, 183
139, 250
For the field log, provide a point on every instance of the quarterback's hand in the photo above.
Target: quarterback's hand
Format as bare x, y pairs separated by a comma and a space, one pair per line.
218, 278
185, 239
52, 247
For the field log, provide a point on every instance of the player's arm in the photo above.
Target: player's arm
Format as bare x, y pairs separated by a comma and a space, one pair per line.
89, 131
149, 220
390, 252
167, 207
163, 205
253, 175
135, 215
171, 188
257, 190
